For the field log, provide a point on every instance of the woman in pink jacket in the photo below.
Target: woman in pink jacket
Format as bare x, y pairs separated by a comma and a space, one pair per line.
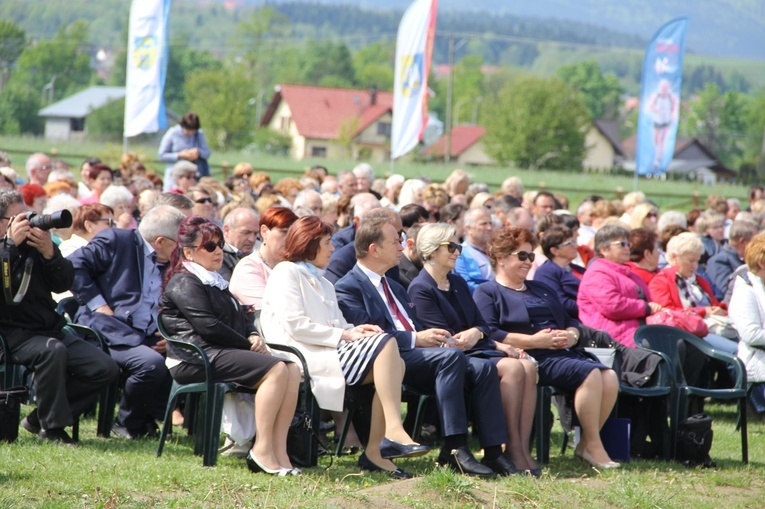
611, 297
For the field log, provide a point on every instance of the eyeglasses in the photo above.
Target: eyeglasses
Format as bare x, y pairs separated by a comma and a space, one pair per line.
622, 243
652, 214
109, 221
246, 175
203, 200
525, 255
567, 243
452, 247
211, 245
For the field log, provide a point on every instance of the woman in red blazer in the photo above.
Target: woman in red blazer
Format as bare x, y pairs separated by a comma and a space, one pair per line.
678, 287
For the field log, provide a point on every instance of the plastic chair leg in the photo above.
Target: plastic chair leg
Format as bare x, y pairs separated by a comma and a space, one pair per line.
421, 406
744, 435
344, 432
542, 423
212, 431
168, 423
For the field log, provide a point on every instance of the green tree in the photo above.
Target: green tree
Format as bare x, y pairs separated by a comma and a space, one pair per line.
107, 122
374, 65
12, 43
222, 99
468, 86
601, 91
60, 66
719, 121
537, 123
329, 64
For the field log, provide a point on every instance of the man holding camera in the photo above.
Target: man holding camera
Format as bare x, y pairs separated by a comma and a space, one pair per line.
69, 372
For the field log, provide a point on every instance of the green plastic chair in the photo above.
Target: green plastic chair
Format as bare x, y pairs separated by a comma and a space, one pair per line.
669, 341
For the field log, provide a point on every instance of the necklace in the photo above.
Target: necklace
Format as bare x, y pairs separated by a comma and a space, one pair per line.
444, 287
520, 288
263, 257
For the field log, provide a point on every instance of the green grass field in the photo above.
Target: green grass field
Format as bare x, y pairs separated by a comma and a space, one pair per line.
667, 194
114, 473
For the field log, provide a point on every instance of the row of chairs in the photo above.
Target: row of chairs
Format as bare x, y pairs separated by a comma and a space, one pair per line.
671, 385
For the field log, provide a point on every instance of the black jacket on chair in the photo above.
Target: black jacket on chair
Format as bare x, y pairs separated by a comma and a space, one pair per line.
204, 315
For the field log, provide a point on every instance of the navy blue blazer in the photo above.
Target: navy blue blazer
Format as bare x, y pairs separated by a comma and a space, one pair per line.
344, 237
360, 304
562, 282
111, 265
436, 311
343, 260
504, 309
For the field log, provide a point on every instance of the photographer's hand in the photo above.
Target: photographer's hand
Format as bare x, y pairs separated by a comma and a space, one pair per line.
42, 241
18, 229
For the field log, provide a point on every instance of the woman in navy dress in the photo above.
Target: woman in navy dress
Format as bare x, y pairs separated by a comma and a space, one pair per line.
529, 316
443, 300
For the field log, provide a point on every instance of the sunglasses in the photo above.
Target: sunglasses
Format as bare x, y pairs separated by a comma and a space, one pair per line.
622, 243
452, 247
203, 200
567, 243
525, 255
211, 245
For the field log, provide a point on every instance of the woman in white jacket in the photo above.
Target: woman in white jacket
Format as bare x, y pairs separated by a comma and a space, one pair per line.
300, 309
747, 312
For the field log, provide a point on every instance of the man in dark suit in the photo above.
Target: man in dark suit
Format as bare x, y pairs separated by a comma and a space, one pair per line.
118, 284
342, 260
410, 265
365, 295
240, 231
360, 205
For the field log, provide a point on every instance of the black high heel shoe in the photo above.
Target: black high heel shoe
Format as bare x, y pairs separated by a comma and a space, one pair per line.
256, 467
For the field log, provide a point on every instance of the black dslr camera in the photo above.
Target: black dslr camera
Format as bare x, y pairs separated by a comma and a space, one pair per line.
60, 219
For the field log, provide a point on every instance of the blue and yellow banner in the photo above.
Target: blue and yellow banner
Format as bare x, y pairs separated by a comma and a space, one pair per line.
146, 67
660, 98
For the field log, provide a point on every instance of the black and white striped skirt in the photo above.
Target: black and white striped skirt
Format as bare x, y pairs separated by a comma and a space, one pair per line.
357, 357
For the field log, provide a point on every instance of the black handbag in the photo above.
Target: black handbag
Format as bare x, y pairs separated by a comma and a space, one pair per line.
303, 443
694, 441
10, 412
203, 167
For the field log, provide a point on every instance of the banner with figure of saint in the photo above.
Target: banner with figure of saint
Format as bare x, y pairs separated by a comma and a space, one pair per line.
414, 49
146, 67
660, 98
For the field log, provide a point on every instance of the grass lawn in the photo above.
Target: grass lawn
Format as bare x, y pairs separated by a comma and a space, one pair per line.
118, 473
667, 194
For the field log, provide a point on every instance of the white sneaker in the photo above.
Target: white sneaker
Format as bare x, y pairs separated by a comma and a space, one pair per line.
231, 448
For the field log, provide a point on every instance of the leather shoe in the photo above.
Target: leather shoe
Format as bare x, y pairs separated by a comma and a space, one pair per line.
255, 467
57, 435
366, 464
462, 460
31, 423
392, 450
501, 465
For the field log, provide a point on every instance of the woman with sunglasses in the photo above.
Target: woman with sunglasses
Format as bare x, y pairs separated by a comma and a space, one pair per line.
197, 307
611, 296
442, 300
558, 272
529, 316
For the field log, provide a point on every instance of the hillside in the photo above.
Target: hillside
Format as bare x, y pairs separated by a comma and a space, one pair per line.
720, 28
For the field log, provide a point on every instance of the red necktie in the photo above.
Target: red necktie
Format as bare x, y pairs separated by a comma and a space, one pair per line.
393, 306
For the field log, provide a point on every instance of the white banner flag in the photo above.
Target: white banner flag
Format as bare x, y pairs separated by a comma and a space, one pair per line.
146, 67
414, 48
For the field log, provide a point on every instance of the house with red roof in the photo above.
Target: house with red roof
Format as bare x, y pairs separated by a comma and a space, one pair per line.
466, 146
332, 122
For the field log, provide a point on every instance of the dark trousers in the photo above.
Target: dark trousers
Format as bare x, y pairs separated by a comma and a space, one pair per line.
69, 375
453, 376
147, 387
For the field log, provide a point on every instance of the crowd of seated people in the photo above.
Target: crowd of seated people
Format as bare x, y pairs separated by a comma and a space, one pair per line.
473, 297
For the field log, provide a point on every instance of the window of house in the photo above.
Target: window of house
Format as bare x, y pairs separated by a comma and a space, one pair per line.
319, 151
77, 124
383, 128
285, 124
